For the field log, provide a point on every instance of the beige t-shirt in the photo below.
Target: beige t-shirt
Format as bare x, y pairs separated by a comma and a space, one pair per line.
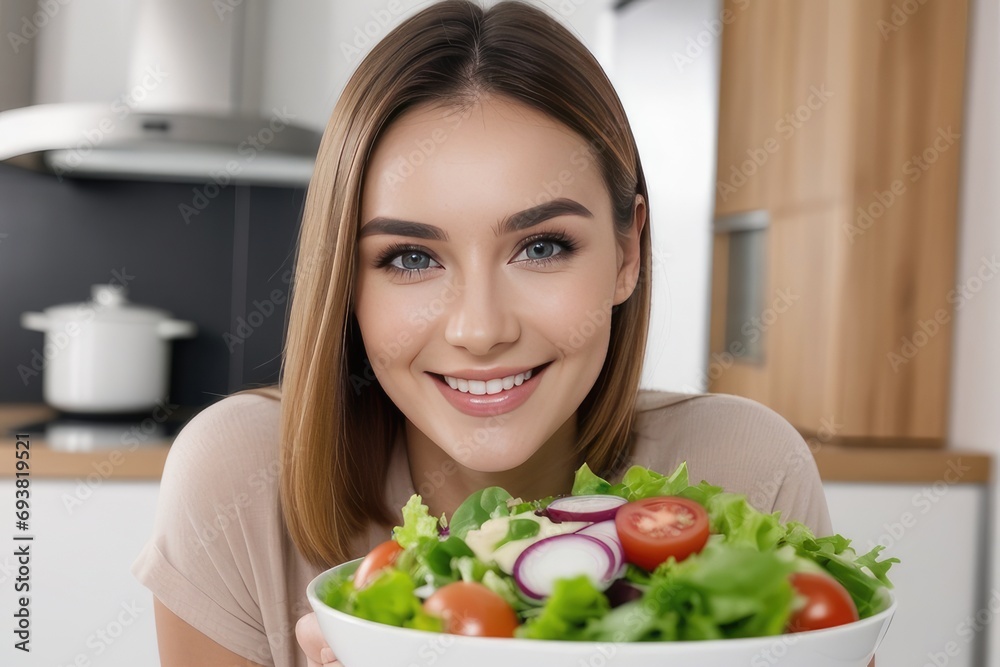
221, 558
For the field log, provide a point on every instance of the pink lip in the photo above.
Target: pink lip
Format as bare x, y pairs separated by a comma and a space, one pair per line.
488, 405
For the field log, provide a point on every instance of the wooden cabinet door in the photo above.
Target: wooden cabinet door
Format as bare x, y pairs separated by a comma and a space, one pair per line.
842, 120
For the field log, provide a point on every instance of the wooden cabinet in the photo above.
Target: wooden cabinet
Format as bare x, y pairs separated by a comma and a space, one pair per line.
842, 119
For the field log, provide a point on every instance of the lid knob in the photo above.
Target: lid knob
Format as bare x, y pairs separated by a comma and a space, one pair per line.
109, 295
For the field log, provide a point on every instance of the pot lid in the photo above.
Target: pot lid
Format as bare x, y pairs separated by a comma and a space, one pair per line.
108, 303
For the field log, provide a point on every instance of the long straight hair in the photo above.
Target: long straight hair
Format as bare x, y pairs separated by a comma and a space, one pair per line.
337, 424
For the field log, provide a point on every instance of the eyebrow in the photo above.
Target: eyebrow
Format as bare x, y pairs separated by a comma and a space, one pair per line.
513, 223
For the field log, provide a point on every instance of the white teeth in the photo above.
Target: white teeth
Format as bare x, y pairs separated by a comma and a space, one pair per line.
480, 387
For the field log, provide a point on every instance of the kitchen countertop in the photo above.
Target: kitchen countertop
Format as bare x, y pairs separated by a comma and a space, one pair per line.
144, 460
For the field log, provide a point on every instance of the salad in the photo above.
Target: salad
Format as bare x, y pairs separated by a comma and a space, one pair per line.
652, 558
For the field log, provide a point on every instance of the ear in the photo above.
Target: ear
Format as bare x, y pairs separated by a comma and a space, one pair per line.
629, 257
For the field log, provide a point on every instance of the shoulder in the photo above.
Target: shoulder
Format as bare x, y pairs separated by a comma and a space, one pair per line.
714, 418
221, 478
736, 443
228, 441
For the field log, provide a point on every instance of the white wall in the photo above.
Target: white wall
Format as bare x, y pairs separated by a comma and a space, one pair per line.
975, 417
313, 46
672, 104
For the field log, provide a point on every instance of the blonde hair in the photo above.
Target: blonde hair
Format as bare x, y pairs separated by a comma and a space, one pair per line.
336, 441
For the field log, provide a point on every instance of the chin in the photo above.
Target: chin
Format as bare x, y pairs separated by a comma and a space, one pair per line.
491, 458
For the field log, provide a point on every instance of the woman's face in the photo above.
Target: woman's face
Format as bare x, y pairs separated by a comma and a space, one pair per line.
487, 269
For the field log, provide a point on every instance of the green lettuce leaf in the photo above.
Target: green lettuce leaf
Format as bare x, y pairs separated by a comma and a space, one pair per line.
388, 599
864, 577
479, 507
726, 591
731, 515
642, 482
418, 524
573, 603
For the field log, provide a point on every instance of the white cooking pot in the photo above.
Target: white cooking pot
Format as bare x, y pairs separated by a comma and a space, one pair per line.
106, 355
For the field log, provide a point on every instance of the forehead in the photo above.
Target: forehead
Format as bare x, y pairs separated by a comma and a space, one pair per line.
496, 157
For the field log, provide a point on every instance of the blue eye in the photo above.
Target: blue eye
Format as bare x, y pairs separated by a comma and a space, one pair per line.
405, 260
545, 248
541, 250
412, 261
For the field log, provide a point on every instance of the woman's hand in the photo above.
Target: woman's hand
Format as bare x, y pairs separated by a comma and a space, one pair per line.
313, 645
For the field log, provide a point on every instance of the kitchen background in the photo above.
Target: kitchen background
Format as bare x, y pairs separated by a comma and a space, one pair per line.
705, 85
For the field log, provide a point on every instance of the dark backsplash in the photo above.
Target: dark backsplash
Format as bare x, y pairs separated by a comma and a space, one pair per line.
219, 268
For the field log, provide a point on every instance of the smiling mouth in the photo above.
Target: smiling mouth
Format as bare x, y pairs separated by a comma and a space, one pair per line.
489, 387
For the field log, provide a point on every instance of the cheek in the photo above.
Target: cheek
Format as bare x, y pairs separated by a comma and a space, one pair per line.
577, 317
394, 322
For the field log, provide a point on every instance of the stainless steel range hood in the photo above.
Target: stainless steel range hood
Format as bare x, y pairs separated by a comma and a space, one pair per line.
166, 90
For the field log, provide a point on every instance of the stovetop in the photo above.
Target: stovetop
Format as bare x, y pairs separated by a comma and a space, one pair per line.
82, 432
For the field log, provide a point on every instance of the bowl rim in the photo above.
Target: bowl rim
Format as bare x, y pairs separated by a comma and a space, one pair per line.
876, 619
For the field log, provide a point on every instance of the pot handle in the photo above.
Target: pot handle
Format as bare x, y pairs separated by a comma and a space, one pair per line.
35, 321
176, 329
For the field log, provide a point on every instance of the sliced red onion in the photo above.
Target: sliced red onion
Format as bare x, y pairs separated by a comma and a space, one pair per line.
562, 557
595, 507
606, 532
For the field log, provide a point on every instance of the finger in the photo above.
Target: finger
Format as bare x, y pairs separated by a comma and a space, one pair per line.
311, 641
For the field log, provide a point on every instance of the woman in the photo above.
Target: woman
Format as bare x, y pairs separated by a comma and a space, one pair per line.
470, 308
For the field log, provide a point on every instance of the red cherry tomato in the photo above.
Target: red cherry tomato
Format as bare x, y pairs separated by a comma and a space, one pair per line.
828, 604
470, 608
654, 529
379, 558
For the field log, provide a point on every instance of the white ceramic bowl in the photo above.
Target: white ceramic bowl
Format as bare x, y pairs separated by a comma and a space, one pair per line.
361, 643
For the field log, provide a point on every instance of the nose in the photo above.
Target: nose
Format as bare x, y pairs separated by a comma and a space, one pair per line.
482, 316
